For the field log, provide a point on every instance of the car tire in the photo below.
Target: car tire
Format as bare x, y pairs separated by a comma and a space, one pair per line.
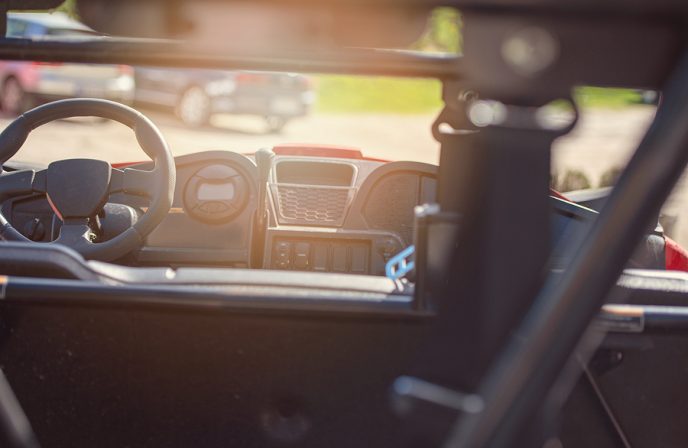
193, 107
275, 124
13, 99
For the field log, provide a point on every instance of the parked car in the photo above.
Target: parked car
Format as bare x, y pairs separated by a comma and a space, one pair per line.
197, 94
26, 84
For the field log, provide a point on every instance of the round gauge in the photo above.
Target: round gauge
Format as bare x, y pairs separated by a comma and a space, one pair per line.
215, 194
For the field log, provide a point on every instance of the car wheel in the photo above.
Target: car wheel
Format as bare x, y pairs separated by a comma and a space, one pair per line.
275, 124
13, 99
193, 108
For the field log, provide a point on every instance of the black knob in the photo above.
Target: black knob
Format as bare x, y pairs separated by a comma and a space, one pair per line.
34, 230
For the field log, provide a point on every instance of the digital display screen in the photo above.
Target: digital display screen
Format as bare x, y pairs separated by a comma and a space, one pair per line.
215, 192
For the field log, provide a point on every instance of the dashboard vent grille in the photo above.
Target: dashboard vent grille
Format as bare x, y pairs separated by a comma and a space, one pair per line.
311, 205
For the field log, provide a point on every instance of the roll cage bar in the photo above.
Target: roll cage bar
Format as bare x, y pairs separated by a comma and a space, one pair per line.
510, 336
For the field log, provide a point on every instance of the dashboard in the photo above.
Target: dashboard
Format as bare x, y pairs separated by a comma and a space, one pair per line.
325, 214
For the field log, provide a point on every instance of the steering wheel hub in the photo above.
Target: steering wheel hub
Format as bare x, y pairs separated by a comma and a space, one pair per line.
65, 187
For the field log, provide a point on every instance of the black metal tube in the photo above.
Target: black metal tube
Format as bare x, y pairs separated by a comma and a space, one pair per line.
528, 367
15, 429
665, 318
54, 292
179, 54
641, 318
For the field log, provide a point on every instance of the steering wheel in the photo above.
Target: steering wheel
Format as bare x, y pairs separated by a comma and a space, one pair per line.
78, 189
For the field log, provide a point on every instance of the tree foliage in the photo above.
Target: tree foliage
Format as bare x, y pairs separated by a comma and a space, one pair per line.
443, 32
69, 7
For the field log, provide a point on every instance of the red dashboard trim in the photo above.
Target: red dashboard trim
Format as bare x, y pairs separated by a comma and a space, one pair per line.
676, 257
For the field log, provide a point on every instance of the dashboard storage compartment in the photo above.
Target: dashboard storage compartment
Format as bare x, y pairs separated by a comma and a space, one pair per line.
312, 192
311, 205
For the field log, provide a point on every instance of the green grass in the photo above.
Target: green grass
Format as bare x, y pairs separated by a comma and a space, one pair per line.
606, 98
352, 94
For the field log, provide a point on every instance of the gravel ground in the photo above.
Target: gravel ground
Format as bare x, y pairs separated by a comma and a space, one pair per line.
602, 140
394, 137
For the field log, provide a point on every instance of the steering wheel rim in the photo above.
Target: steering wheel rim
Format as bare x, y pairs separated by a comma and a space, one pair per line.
75, 230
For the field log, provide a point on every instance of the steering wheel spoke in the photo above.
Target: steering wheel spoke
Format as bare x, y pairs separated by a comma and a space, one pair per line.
133, 181
75, 234
17, 183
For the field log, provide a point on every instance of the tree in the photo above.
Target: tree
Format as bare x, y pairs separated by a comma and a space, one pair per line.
443, 32
69, 8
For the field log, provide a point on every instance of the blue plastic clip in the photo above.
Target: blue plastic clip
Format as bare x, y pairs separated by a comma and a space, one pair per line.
400, 264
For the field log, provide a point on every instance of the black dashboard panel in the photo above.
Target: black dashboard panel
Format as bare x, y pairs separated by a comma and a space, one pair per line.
326, 214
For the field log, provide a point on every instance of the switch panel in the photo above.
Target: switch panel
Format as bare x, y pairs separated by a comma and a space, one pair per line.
321, 255
282, 255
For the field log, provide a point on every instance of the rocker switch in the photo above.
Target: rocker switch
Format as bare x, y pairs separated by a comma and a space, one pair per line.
282, 255
320, 257
302, 252
339, 258
359, 256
